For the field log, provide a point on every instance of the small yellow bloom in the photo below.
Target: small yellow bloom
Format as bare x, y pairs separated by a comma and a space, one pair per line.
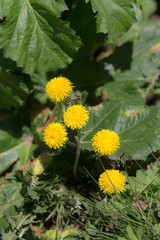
76, 117
106, 142
59, 88
55, 135
112, 181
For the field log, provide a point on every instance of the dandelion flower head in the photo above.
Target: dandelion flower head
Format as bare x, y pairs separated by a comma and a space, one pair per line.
76, 117
106, 142
59, 88
112, 181
55, 135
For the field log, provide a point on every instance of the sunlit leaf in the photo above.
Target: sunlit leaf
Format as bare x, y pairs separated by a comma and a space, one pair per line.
116, 17
35, 37
137, 126
13, 148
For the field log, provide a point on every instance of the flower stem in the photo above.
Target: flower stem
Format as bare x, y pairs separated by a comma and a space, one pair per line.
62, 107
77, 154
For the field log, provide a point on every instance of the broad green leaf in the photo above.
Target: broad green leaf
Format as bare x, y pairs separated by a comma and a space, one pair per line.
146, 50
137, 126
40, 82
52, 6
116, 17
35, 37
13, 148
9, 197
148, 6
140, 232
119, 90
13, 91
138, 69
156, 229
143, 178
3, 224
131, 234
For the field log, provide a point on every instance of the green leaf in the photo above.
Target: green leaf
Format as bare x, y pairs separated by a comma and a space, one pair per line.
13, 148
145, 59
40, 82
9, 197
156, 229
150, 177
116, 17
120, 90
13, 91
67, 234
140, 232
137, 127
35, 37
131, 234
136, 72
148, 6
3, 224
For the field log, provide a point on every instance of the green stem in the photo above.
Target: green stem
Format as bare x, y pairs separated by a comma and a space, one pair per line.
63, 107
77, 154
71, 143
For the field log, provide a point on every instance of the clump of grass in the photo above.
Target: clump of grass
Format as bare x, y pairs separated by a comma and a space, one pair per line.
132, 214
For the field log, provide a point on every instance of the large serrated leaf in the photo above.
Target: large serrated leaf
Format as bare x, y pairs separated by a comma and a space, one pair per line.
34, 37
119, 90
138, 71
146, 50
116, 17
137, 126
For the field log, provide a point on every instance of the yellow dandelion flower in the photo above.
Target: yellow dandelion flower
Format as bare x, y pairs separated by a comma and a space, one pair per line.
76, 117
55, 135
105, 142
112, 181
59, 88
